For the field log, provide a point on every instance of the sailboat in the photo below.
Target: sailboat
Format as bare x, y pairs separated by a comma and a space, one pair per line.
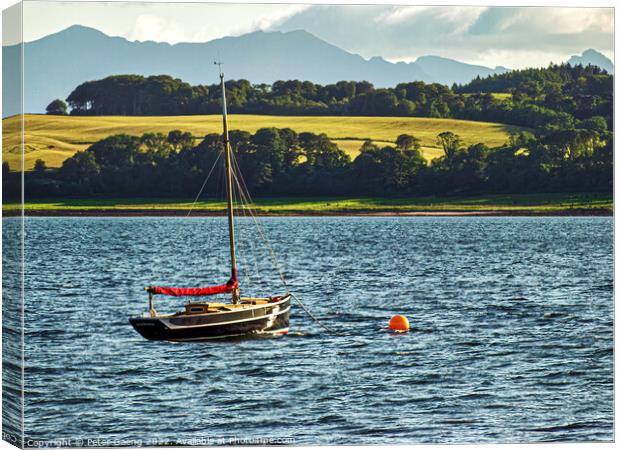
203, 320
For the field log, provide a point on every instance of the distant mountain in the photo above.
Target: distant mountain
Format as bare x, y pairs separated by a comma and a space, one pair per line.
448, 71
593, 58
57, 63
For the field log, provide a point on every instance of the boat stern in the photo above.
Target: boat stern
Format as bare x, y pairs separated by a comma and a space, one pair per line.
150, 328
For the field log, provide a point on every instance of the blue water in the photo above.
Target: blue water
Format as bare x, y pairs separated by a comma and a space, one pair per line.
512, 337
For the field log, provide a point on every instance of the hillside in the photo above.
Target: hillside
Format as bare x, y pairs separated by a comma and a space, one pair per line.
57, 63
55, 138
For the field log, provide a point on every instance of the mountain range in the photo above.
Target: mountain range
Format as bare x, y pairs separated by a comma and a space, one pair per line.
56, 64
594, 58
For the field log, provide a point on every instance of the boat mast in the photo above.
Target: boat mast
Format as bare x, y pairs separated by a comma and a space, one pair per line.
229, 185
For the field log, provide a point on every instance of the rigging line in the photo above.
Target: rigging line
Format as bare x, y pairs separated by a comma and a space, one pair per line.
204, 184
261, 232
246, 211
275, 258
316, 319
254, 252
271, 252
212, 221
245, 241
241, 239
250, 256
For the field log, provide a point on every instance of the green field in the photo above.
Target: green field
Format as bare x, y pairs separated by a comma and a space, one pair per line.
55, 138
551, 204
496, 95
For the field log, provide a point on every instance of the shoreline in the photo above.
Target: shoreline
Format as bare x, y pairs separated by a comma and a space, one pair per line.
569, 212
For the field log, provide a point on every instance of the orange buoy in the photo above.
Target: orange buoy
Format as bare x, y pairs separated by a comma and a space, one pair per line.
399, 324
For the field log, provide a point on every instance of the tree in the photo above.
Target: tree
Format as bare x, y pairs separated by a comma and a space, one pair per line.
180, 140
81, 168
321, 153
57, 108
471, 170
11, 183
155, 146
368, 145
407, 142
595, 123
39, 167
271, 150
450, 142
388, 170
118, 151
571, 143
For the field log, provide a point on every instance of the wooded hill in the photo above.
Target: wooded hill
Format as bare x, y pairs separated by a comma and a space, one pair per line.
557, 97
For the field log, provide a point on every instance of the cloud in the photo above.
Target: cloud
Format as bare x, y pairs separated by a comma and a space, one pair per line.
207, 22
513, 37
457, 18
567, 20
509, 36
154, 28
544, 21
269, 19
398, 14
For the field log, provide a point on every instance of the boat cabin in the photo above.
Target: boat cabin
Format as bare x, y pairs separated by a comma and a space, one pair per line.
196, 308
204, 307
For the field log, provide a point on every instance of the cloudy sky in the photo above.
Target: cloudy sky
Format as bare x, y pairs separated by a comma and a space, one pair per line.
492, 36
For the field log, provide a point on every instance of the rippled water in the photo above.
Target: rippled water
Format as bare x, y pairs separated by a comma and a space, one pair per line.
511, 341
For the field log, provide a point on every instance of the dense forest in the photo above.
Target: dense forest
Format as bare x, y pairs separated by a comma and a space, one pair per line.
283, 162
556, 97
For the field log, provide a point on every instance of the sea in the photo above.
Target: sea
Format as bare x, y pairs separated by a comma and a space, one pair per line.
511, 335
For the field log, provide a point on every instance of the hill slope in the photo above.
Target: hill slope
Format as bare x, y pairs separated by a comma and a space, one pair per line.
56, 138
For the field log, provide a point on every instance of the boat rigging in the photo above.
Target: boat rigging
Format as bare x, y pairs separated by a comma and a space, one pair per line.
243, 316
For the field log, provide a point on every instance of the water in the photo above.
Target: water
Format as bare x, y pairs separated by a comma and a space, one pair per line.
512, 337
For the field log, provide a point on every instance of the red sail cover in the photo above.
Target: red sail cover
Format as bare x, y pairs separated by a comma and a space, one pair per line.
231, 285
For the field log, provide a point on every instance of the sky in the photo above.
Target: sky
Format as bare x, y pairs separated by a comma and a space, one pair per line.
491, 36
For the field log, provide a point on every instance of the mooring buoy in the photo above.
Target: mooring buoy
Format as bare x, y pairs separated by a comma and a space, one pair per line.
399, 324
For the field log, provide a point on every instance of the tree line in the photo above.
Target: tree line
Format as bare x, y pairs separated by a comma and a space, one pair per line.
283, 162
552, 98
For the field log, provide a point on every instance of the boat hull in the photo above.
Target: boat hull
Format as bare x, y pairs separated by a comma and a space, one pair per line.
272, 318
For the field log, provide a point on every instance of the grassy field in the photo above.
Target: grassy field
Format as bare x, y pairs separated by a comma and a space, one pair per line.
501, 204
496, 95
55, 138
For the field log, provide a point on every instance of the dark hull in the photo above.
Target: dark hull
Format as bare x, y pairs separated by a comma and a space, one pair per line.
272, 318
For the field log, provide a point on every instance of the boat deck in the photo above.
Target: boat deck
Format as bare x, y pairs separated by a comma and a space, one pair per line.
218, 307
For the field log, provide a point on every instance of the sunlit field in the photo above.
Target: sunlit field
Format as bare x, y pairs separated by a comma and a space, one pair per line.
55, 138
